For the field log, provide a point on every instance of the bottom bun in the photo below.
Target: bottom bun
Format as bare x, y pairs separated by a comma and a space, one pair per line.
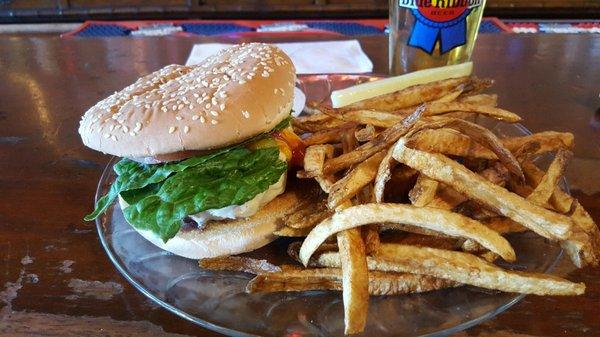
228, 237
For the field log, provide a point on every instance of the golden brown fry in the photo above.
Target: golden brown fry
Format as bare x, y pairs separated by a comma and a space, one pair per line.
382, 141
314, 158
452, 95
414, 239
410, 96
462, 268
504, 225
308, 217
439, 108
380, 283
441, 168
583, 247
355, 280
423, 192
481, 99
351, 184
349, 142
560, 200
316, 123
238, 263
453, 143
371, 238
549, 182
384, 173
446, 198
437, 220
367, 133
328, 136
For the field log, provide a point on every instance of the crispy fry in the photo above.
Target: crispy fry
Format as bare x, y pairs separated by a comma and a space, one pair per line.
316, 123
380, 283
560, 200
354, 181
349, 142
441, 168
355, 280
308, 217
438, 108
371, 117
414, 239
238, 263
504, 225
438, 220
452, 95
583, 247
549, 182
462, 268
367, 133
328, 136
481, 99
449, 142
382, 141
384, 173
411, 96
314, 158
478, 134
423, 191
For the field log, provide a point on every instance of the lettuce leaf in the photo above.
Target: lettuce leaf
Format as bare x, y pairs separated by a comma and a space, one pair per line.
231, 178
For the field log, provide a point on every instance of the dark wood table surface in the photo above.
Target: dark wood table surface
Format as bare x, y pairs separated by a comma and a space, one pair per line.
55, 278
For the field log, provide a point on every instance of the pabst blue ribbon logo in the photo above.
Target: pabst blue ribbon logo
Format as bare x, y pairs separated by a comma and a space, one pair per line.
443, 20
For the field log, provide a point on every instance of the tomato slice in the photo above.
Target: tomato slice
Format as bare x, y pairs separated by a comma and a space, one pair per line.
294, 143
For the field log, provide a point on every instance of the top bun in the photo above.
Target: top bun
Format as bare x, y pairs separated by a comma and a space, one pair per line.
236, 94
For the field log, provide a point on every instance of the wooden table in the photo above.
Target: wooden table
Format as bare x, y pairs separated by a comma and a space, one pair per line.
54, 276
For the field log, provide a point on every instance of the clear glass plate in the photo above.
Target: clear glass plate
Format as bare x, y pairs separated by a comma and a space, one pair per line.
217, 301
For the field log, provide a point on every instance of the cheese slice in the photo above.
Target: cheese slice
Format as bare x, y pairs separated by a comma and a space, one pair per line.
340, 98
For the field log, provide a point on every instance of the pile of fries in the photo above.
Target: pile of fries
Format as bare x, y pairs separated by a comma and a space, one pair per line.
419, 198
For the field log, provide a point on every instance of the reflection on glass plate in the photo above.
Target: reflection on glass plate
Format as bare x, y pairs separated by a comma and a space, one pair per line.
217, 301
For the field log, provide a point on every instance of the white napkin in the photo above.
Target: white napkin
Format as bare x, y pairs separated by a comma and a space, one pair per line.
324, 57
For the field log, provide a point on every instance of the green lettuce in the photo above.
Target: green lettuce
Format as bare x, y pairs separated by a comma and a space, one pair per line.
231, 178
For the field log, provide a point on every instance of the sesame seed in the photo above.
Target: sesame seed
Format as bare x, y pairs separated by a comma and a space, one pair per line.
180, 106
125, 129
265, 74
246, 114
178, 118
106, 135
202, 119
214, 122
275, 90
191, 106
241, 81
172, 129
132, 133
113, 137
174, 107
214, 113
186, 129
222, 106
112, 127
195, 117
196, 95
208, 105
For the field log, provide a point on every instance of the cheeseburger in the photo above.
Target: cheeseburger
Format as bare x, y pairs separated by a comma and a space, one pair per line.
205, 148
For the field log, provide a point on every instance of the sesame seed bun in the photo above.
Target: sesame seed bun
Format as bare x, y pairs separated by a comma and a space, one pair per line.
233, 95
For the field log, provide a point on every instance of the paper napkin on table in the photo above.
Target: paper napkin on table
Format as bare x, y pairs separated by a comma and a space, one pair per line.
324, 57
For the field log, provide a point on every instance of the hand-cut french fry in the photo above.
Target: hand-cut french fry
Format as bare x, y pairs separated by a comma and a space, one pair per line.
314, 158
448, 142
423, 191
460, 267
497, 174
349, 142
549, 182
446, 198
415, 239
328, 136
480, 135
504, 225
410, 96
438, 108
367, 133
476, 85
238, 263
413, 230
316, 123
355, 280
382, 141
438, 220
371, 238
560, 200
354, 181
441, 168
384, 173
380, 283
452, 95
583, 247
481, 99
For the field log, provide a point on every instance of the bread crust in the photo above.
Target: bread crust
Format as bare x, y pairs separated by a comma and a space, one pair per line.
233, 95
